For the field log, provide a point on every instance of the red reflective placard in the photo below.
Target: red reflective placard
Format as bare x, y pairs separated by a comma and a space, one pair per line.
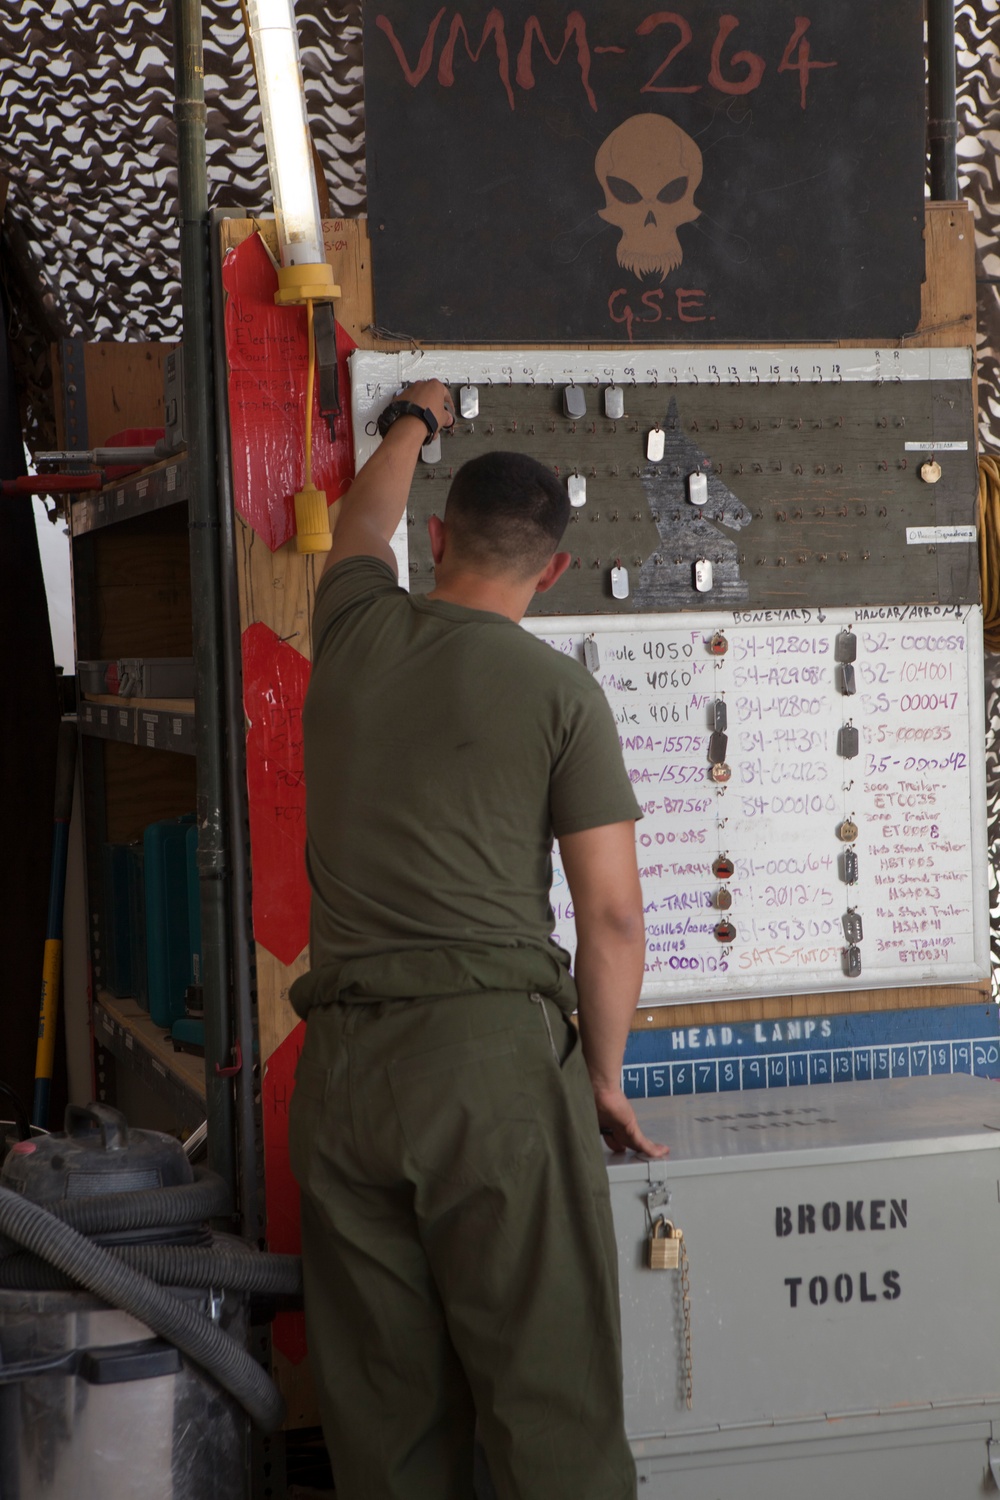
275, 678
288, 1332
267, 357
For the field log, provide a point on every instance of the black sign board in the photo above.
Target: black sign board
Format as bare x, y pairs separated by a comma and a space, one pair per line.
543, 173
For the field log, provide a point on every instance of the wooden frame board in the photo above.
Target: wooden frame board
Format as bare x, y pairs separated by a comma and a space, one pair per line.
277, 589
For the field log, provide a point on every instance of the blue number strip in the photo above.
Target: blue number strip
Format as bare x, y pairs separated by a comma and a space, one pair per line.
977, 1055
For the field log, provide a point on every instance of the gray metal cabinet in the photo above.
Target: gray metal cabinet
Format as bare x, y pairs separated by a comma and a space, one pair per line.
844, 1323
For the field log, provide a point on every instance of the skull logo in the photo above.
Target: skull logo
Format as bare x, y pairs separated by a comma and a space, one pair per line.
649, 170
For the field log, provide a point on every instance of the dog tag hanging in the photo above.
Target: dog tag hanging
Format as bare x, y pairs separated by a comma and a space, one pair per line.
577, 486
591, 655
614, 402
574, 402
723, 867
719, 714
850, 866
723, 898
717, 746
721, 772
698, 488
619, 582
846, 646
852, 961
718, 645
847, 741
431, 451
468, 402
847, 832
848, 684
853, 929
725, 931
655, 444
703, 575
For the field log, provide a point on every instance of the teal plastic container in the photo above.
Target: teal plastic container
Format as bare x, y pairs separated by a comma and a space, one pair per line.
194, 912
168, 938
118, 939
188, 1035
137, 921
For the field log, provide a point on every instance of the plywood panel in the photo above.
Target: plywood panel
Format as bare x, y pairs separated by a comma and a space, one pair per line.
850, 1002
296, 1385
143, 786
278, 589
141, 604
124, 388
948, 295
276, 1019
947, 299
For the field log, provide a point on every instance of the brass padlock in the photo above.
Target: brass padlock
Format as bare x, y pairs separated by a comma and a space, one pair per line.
665, 1248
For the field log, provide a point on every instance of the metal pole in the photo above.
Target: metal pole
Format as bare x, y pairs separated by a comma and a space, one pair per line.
942, 123
203, 524
248, 1124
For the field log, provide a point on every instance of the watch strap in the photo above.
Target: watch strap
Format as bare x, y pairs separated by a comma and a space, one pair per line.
397, 409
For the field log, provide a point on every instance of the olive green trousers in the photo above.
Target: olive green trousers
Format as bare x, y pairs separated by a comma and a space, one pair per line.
460, 1263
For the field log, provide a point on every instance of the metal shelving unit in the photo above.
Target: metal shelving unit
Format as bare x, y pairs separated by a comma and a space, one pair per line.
122, 1028
138, 495
155, 728
131, 593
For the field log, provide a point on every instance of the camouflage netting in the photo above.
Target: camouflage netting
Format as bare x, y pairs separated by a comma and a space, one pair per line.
87, 140
88, 144
978, 26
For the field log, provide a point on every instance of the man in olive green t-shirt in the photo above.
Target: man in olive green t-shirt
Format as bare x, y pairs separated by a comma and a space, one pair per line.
460, 1261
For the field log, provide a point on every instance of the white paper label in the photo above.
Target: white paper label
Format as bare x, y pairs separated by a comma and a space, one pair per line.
933, 535
936, 447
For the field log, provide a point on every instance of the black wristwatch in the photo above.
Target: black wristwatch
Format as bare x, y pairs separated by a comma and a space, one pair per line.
397, 409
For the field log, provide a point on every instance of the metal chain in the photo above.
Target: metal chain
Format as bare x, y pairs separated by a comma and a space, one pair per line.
686, 1308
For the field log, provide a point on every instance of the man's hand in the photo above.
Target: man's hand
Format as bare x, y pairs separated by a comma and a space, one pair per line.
434, 395
619, 1126
371, 510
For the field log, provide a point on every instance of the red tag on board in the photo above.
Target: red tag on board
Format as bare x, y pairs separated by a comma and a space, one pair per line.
267, 358
284, 1235
275, 678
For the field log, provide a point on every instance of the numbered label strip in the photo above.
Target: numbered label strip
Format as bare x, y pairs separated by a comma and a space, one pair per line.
811, 1050
833, 814
376, 377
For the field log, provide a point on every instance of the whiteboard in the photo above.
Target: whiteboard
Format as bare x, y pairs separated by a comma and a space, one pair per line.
916, 791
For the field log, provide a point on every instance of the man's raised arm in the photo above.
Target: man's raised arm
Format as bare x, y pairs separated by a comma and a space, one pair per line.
603, 879
371, 510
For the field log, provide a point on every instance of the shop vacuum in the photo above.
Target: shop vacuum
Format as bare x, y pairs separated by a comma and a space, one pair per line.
123, 1320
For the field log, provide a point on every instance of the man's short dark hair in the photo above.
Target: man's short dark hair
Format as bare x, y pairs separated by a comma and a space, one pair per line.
506, 513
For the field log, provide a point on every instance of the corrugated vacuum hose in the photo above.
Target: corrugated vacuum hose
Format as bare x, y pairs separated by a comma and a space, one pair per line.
106, 1274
